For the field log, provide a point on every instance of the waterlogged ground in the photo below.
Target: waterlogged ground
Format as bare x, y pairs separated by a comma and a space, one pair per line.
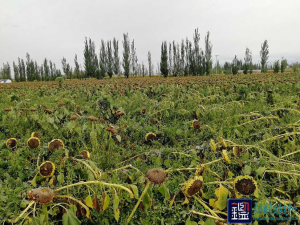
208, 138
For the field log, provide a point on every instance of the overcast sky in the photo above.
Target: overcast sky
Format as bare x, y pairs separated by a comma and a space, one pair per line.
57, 28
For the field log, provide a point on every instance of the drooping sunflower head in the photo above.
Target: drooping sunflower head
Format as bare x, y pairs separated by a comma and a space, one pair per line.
11, 142
225, 156
119, 113
237, 150
36, 134
92, 118
47, 169
200, 170
222, 142
213, 146
85, 154
33, 143
150, 136
143, 111
196, 125
42, 195
73, 117
244, 185
193, 186
156, 176
48, 111
55, 145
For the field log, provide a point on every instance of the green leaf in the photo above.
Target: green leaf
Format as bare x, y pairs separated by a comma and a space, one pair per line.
118, 138
69, 218
89, 201
60, 178
260, 171
105, 201
210, 222
247, 170
146, 200
135, 191
222, 194
165, 192
117, 214
189, 222
116, 202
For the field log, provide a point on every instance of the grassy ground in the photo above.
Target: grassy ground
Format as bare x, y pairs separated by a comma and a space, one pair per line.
249, 127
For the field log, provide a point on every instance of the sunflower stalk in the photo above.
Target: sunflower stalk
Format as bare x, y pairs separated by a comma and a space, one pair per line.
206, 207
96, 182
89, 167
24, 211
139, 201
208, 216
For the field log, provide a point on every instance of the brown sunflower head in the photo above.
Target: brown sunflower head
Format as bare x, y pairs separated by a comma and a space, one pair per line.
150, 136
11, 142
78, 107
196, 125
73, 117
33, 109
47, 169
55, 145
48, 111
143, 111
193, 186
33, 143
7, 109
102, 120
36, 134
61, 103
244, 185
92, 118
42, 195
156, 176
119, 113
111, 130
85, 154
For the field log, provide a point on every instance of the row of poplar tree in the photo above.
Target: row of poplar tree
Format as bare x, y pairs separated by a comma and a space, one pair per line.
177, 59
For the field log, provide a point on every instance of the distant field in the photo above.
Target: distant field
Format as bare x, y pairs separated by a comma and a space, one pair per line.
211, 137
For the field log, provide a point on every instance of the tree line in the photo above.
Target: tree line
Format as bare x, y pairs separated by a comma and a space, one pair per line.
177, 59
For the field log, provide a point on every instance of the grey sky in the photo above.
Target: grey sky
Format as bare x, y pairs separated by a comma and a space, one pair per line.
57, 28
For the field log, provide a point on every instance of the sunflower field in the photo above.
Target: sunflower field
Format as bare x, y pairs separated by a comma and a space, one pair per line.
148, 150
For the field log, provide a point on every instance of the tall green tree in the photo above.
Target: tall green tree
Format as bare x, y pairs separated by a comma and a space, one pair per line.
150, 65
77, 68
284, 65
276, 66
176, 59
264, 55
126, 55
116, 61
208, 54
66, 68
46, 70
182, 57
134, 60
247, 60
16, 72
235, 66
110, 60
164, 59
103, 59
91, 64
